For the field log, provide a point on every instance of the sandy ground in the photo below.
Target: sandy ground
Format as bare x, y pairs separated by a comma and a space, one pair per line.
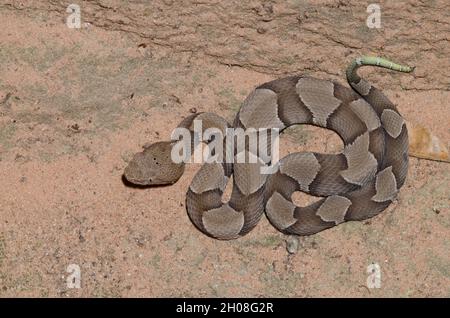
76, 104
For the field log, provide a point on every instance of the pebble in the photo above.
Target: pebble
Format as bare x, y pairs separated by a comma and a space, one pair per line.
261, 30
292, 244
436, 210
75, 127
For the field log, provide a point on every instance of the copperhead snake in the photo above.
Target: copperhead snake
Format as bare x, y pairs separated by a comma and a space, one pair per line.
356, 184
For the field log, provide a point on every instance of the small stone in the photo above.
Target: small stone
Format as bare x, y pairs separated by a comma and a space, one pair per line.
436, 210
268, 7
175, 99
144, 50
168, 237
261, 30
75, 127
20, 158
292, 244
193, 110
140, 241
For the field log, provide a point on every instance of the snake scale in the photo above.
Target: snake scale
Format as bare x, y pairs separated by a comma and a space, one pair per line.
356, 184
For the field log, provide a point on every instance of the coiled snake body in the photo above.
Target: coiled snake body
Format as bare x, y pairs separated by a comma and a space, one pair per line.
356, 184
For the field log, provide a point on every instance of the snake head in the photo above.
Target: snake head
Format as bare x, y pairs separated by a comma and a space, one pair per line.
154, 166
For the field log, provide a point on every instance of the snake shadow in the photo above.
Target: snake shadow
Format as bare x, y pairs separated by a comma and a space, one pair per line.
138, 186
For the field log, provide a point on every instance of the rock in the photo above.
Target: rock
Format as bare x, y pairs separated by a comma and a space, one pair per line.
292, 244
261, 30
